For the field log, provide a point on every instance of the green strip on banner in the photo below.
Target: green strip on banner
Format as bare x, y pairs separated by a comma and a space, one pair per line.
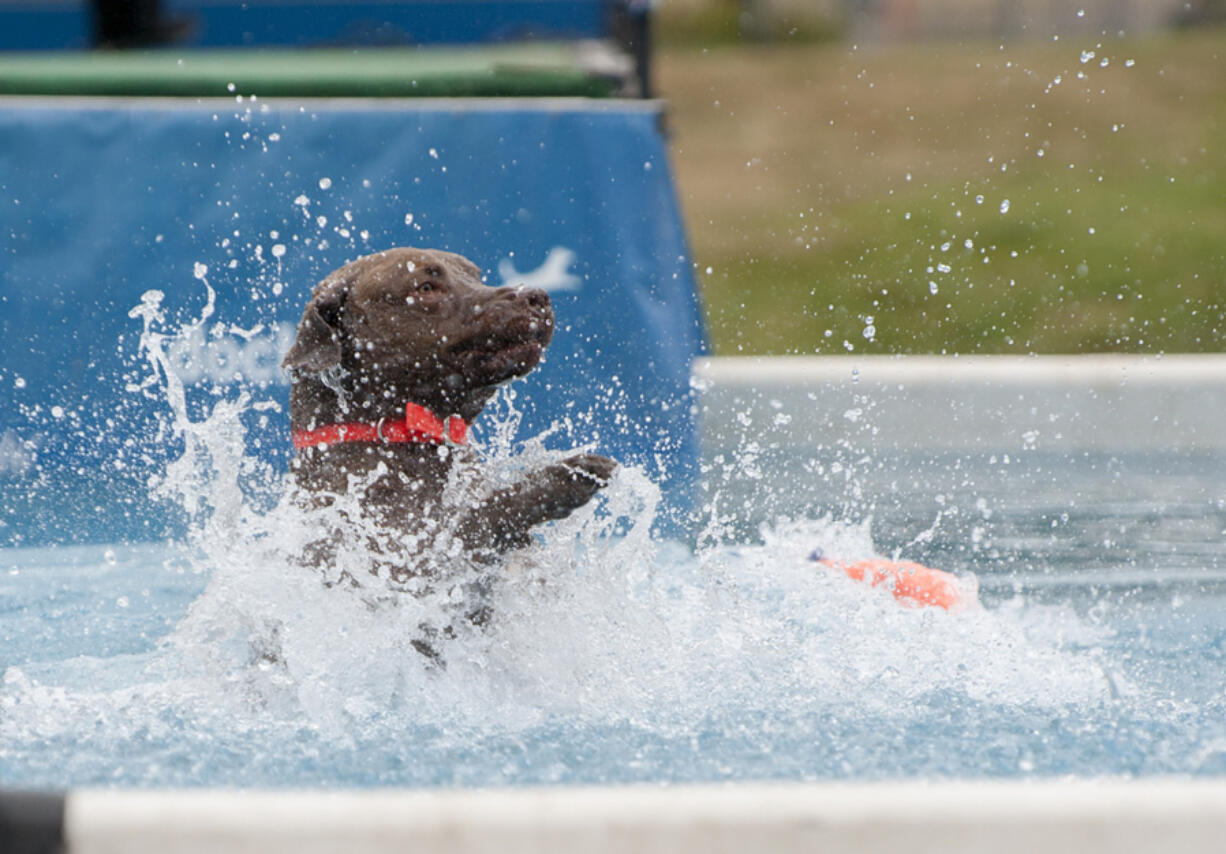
538, 70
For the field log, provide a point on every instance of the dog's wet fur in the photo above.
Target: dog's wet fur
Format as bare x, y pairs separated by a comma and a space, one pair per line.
418, 325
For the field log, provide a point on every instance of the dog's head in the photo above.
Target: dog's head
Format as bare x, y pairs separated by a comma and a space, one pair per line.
417, 325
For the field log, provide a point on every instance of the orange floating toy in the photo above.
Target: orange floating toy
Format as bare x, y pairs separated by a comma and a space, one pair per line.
911, 583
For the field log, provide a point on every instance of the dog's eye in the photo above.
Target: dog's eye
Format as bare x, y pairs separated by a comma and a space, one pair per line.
425, 287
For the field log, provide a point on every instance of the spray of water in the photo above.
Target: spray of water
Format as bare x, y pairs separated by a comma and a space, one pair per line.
597, 625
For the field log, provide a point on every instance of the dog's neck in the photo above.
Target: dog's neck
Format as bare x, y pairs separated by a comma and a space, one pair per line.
315, 403
418, 426
385, 468
328, 466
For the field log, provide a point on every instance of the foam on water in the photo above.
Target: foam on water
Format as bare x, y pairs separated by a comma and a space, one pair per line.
602, 632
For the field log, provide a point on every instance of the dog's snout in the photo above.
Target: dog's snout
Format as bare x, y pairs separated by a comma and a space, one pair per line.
534, 297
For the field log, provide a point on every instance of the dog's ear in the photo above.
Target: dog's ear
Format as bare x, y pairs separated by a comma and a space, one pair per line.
317, 346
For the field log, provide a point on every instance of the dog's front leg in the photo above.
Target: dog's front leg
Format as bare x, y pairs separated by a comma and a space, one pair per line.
503, 519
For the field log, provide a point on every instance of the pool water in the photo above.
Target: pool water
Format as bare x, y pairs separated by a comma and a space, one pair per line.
620, 656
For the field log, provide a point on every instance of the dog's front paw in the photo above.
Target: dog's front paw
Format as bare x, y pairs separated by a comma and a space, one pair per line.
502, 520
591, 467
576, 479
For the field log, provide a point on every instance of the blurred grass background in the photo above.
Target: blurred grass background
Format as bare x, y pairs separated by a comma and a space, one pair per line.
969, 195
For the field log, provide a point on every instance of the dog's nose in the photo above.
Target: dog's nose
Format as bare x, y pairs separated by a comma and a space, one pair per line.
534, 297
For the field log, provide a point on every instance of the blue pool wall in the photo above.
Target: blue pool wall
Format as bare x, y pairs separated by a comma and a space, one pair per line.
107, 199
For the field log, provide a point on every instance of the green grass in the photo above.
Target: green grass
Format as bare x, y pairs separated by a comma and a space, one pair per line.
825, 187
726, 22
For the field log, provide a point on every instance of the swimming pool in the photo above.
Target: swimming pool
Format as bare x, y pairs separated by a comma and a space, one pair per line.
619, 656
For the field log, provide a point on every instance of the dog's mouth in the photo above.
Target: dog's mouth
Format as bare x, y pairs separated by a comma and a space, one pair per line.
509, 351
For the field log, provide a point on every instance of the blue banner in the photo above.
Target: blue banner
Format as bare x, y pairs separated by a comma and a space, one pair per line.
60, 24
106, 201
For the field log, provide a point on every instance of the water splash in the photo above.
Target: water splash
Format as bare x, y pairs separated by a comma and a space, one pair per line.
598, 627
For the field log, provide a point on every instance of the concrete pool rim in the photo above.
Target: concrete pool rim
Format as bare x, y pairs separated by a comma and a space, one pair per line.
1087, 816
1051, 403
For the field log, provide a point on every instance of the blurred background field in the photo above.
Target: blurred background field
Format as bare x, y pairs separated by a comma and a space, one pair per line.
957, 176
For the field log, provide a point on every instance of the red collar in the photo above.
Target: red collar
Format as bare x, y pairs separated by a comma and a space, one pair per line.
420, 425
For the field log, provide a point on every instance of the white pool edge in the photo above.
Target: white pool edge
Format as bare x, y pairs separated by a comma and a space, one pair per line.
967, 816
1063, 404
1109, 369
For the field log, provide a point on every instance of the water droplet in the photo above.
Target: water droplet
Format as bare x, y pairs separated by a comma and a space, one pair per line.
932, 287
109, 557
325, 183
870, 332
1086, 56
230, 87
278, 250
302, 201
19, 382
408, 219
1004, 206
321, 221
57, 412
200, 270
434, 153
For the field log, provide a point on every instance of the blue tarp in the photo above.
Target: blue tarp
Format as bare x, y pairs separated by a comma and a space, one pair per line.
106, 200
60, 24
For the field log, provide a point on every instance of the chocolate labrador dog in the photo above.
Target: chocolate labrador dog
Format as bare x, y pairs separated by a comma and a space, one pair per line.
395, 357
